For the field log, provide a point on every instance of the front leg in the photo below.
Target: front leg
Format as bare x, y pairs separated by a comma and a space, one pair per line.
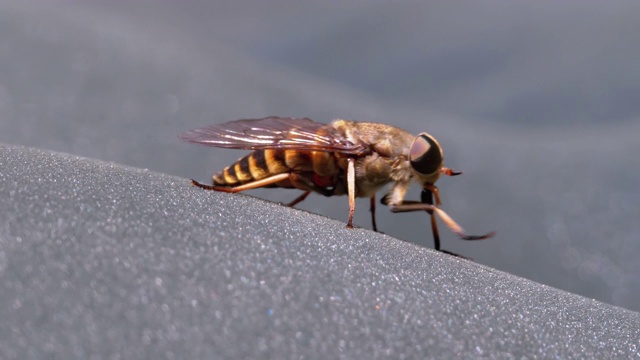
426, 197
408, 205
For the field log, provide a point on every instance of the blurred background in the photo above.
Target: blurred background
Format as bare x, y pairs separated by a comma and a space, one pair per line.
537, 102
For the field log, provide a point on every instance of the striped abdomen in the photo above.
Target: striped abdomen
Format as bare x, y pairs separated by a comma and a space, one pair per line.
261, 164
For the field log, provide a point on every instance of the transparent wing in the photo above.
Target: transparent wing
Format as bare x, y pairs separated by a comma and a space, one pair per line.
273, 133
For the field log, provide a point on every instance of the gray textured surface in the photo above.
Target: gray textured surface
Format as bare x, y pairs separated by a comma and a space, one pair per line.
536, 101
102, 261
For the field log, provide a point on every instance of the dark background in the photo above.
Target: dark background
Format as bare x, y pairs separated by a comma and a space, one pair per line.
537, 103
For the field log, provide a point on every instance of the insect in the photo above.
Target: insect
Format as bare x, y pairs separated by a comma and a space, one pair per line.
343, 157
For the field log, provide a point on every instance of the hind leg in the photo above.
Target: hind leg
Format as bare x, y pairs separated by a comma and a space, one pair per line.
248, 186
299, 199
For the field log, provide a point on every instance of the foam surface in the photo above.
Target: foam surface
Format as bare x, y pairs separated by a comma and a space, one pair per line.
536, 103
99, 260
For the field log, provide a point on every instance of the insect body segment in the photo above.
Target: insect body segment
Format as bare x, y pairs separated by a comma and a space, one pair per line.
318, 168
343, 157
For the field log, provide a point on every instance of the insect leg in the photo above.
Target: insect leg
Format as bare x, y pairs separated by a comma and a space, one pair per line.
407, 206
427, 198
373, 212
351, 190
305, 184
436, 194
251, 185
299, 199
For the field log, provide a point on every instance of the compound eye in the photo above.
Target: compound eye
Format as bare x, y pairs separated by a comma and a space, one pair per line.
425, 154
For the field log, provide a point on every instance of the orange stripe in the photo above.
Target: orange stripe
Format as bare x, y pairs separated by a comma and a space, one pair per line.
229, 174
242, 172
259, 169
218, 179
275, 161
298, 160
